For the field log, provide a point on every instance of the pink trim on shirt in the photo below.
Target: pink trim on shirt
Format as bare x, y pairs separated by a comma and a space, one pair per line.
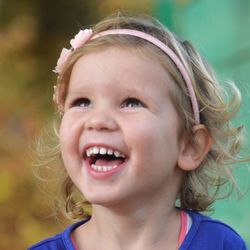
73, 242
183, 231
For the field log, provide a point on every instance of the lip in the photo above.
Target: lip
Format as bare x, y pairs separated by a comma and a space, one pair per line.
89, 145
104, 174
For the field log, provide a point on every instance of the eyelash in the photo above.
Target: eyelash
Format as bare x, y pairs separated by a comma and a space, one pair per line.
85, 102
132, 100
79, 101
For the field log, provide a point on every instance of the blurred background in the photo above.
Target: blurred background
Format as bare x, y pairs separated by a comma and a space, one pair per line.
32, 34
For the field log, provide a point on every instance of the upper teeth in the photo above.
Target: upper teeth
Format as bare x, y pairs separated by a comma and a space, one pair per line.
103, 151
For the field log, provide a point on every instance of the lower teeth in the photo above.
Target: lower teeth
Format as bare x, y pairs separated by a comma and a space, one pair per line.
103, 168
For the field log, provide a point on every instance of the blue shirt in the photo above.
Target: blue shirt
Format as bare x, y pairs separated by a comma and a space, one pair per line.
204, 234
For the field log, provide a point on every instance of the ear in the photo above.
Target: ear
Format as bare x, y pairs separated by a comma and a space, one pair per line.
193, 151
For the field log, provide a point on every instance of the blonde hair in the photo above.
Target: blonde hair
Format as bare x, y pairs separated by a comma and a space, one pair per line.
200, 187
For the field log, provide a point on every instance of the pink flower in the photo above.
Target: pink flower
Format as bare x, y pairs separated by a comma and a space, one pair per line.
62, 59
81, 38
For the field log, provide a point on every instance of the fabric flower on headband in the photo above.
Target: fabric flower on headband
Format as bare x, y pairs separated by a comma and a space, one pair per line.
80, 39
65, 53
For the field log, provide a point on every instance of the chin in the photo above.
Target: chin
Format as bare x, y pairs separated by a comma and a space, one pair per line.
105, 200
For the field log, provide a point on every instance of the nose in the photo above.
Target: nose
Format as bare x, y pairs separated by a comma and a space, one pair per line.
101, 120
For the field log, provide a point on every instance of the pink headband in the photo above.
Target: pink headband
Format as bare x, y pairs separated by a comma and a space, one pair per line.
87, 35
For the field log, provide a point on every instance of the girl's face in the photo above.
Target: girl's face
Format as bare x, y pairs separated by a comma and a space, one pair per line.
119, 133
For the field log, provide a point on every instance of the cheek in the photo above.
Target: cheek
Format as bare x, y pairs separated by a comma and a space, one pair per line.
65, 143
69, 134
64, 134
156, 141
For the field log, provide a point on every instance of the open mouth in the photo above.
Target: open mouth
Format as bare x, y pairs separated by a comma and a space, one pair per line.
102, 159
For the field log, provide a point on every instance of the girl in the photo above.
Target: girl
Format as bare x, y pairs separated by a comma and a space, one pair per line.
145, 137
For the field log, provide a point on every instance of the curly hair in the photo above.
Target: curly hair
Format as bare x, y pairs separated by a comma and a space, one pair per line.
218, 105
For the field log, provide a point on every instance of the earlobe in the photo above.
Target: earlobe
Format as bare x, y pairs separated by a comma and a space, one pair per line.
193, 151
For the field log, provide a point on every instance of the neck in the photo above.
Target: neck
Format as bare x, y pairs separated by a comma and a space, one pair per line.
147, 227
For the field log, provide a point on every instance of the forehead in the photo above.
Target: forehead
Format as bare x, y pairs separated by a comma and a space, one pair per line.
125, 66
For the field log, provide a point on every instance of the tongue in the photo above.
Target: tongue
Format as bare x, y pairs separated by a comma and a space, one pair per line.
104, 162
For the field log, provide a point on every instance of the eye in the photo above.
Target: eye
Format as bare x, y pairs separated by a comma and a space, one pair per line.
132, 102
81, 102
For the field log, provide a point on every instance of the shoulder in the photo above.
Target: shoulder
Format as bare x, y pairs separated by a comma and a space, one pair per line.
55, 242
207, 233
60, 241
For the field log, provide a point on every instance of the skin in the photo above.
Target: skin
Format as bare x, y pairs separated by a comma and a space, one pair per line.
134, 208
